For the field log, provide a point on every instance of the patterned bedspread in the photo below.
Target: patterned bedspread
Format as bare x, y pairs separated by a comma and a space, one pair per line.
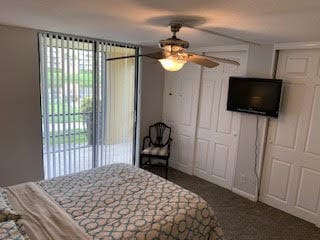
124, 202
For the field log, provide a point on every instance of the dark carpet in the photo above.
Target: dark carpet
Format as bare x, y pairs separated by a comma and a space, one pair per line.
242, 219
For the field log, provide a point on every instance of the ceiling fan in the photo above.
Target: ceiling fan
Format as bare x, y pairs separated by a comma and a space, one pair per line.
173, 54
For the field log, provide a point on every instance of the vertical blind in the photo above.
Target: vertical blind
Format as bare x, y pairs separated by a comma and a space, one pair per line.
88, 104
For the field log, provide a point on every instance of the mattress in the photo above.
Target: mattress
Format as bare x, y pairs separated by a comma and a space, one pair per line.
117, 201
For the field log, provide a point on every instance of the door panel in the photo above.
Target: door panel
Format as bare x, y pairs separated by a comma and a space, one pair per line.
291, 174
312, 145
309, 188
221, 157
202, 152
224, 117
280, 175
287, 127
207, 89
185, 142
217, 129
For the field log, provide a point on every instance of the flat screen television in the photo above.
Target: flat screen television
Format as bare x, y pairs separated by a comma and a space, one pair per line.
254, 95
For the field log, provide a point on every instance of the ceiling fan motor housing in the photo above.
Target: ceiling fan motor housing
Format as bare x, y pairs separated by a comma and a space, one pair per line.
173, 44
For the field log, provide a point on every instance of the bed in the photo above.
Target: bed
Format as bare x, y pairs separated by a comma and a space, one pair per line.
118, 201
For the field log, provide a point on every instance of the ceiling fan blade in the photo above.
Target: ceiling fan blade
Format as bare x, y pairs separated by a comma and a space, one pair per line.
155, 55
202, 60
217, 59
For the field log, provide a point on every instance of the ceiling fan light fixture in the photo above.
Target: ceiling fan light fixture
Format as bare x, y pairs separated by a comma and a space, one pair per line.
172, 48
172, 64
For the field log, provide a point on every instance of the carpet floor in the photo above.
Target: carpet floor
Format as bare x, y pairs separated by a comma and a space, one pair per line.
242, 219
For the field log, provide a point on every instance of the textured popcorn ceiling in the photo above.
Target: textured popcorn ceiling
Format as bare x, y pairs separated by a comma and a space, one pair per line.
142, 21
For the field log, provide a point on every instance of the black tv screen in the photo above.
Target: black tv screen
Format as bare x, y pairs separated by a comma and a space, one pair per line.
254, 95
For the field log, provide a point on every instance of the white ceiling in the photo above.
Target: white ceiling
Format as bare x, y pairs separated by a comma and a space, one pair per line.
139, 21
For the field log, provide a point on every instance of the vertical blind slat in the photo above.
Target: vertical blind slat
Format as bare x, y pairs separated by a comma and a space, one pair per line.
103, 96
63, 110
52, 110
87, 94
69, 103
97, 149
44, 97
79, 168
74, 106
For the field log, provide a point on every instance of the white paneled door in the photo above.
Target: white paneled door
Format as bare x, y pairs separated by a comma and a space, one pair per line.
218, 130
181, 93
291, 175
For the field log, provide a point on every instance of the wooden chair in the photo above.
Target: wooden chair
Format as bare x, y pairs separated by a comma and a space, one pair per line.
157, 146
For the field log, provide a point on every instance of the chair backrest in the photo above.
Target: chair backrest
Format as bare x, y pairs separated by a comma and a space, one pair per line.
159, 134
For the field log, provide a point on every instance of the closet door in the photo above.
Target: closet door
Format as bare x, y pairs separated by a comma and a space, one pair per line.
217, 129
291, 173
181, 94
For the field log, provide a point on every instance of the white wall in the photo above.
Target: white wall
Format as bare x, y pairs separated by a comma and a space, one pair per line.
152, 82
20, 121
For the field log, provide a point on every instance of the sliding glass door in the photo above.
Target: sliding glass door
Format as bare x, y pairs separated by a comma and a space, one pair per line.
88, 104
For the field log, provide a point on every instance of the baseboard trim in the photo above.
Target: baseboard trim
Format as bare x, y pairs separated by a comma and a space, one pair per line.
245, 194
183, 169
270, 200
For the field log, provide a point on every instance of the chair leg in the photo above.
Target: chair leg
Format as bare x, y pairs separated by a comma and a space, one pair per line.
167, 168
141, 162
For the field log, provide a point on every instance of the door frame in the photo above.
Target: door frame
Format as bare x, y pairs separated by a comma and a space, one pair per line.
136, 117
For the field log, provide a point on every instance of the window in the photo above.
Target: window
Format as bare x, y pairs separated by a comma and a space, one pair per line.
88, 104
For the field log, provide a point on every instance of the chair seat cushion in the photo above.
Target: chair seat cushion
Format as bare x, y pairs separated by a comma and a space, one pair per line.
156, 151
